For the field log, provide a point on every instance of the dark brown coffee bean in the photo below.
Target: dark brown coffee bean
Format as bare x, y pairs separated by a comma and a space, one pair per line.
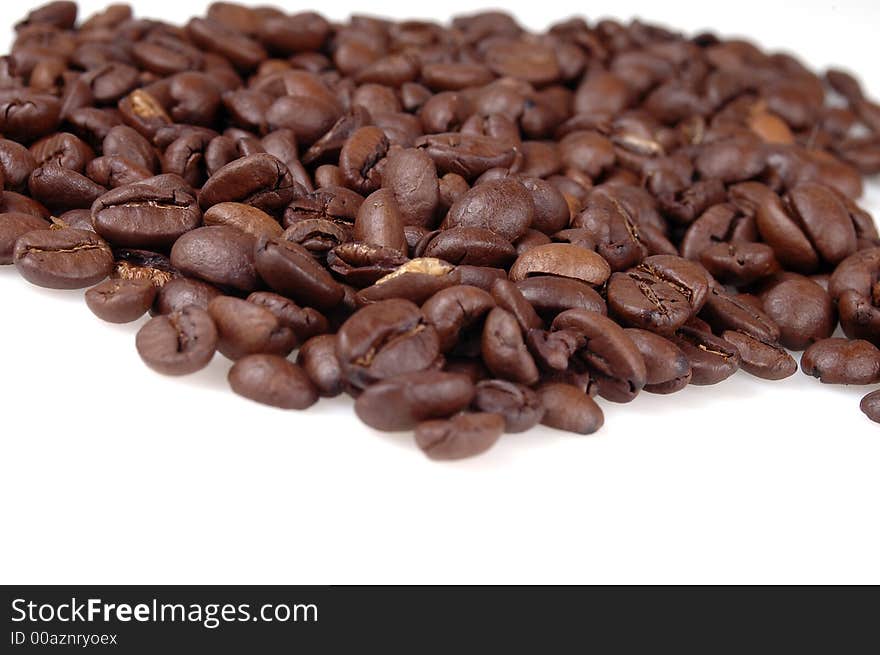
291, 271
317, 357
761, 358
380, 222
260, 180
218, 254
739, 263
385, 339
712, 359
402, 402
12, 226
213, 36
550, 295
412, 177
686, 277
724, 311
62, 259
667, 368
568, 408
416, 281
27, 115
182, 292
245, 328
641, 300
504, 207
305, 322
520, 407
802, 309
57, 187
16, 164
145, 215
561, 260
509, 297
504, 350
467, 155
454, 311
179, 343
841, 361
272, 380
473, 246
243, 217
465, 435
870, 406
119, 300
825, 220
359, 158
64, 149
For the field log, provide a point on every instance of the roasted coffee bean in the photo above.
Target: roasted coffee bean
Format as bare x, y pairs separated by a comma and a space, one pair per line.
416, 281
217, 254
761, 358
870, 406
27, 115
504, 350
455, 310
336, 204
260, 180
272, 380
291, 271
612, 227
568, 408
473, 246
561, 260
244, 217
16, 164
363, 264
62, 259
841, 361
712, 359
144, 215
688, 278
305, 322
465, 435
610, 355
504, 207
245, 328
385, 339
641, 300
468, 155
825, 220
509, 297
404, 401
178, 343
739, 263
119, 300
12, 226
667, 369
801, 309
519, 406
724, 311
63, 149
380, 222
359, 157
317, 357
153, 267
182, 292
412, 177
551, 295
57, 187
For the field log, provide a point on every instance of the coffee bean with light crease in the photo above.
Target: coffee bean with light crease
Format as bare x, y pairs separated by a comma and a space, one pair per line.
562, 260
62, 259
272, 380
841, 361
120, 300
178, 343
568, 408
464, 435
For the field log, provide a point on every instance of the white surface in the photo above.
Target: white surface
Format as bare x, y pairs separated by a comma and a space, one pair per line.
112, 474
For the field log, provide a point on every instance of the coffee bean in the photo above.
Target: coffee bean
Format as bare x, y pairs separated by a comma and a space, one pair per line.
217, 254
12, 226
62, 259
739, 263
801, 309
724, 311
245, 328
182, 292
380, 222
305, 322
468, 155
641, 300
416, 281
243, 217
712, 359
26, 115
667, 368
551, 295
761, 358
562, 260
385, 339
259, 180
291, 271
504, 350
359, 157
841, 361
465, 435
568, 408
179, 343
504, 207
317, 357
119, 300
520, 407
870, 405
412, 177
143, 215
455, 310
58, 187
402, 402
272, 380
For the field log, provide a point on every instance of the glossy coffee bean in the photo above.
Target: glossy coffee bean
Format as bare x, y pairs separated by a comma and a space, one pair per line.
465, 435
402, 402
568, 408
182, 292
801, 309
870, 406
504, 207
761, 358
220, 255
272, 380
245, 328
641, 300
317, 357
120, 300
178, 343
666, 366
243, 217
504, 350
305, 322
454, 311
62, 259
561, 260
12, 226
712, 359
259, 180
841, 361
518, 405
291, 271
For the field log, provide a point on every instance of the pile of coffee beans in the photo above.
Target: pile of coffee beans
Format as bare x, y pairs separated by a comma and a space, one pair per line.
469, 228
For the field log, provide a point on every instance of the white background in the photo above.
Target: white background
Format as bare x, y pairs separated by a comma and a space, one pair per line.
112, 474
